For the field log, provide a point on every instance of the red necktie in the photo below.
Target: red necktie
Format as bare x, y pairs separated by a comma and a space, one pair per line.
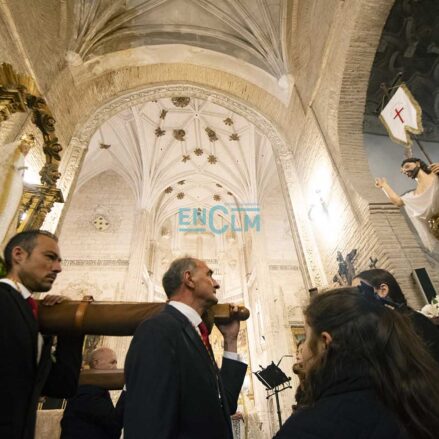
205, 336
33, 306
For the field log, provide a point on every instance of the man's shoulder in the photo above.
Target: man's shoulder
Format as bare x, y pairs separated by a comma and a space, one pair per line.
7, 293
159, 331
169, 318
6, 287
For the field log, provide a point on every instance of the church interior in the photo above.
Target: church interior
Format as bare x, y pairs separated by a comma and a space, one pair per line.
244, 133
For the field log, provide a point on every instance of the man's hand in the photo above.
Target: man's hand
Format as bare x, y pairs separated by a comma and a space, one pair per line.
434, 167
53, 299
380, 182
230, 333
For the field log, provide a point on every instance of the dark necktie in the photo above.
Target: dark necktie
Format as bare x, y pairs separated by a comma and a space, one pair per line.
33, 306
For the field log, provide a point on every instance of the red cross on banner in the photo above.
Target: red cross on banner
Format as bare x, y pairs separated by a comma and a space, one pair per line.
402, 116
398, 114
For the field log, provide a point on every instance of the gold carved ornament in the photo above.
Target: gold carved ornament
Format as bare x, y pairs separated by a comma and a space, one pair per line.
18, 93
433, 223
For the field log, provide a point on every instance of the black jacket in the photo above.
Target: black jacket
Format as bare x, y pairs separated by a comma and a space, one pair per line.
347, 408
426, 330
90, 414
22, 381
172, 385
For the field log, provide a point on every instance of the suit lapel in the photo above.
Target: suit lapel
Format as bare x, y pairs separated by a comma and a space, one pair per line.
195, 339
199, 346
28, 317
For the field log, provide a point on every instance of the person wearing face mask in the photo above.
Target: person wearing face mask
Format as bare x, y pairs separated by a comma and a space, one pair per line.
367, 375
387, 288
422, 203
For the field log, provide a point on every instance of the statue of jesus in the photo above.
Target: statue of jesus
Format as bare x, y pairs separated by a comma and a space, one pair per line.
421, 203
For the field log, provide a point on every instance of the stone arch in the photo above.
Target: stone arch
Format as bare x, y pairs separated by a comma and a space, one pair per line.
363, 45
76, 150
383, 225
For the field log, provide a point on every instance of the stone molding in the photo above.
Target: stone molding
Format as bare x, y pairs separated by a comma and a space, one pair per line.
95, 262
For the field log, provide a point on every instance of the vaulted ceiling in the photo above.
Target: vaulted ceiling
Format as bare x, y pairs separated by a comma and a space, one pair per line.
183, 152
253, 31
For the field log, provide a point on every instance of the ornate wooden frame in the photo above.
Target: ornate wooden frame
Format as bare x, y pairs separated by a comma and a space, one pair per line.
18, 93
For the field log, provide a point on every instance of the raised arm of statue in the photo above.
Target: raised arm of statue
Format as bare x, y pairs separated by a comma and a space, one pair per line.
381, 183
12, 169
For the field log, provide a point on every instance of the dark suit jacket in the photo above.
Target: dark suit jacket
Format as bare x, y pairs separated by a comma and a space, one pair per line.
22, 381
172, 384
91, 414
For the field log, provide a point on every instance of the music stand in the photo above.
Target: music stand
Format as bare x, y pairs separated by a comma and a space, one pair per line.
275, 381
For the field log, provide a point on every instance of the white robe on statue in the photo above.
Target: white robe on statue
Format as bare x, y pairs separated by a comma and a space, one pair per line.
11, 184
420, 208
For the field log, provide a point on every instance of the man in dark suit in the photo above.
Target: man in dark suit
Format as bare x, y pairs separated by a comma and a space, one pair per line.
91, 413
174, 388
27, 370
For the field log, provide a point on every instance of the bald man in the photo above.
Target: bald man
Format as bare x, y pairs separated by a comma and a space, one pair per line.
91, 413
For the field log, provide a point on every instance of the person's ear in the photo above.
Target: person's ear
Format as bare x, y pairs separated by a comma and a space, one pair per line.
326, 339
383, 290
187, 279
18, 254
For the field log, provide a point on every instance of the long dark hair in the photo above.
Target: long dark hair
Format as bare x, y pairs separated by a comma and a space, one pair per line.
385, 347
378, 276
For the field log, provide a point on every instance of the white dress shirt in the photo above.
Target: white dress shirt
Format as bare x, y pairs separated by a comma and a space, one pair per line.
195, 319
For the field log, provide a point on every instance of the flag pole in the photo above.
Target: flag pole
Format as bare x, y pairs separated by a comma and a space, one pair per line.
423, 150
387, 91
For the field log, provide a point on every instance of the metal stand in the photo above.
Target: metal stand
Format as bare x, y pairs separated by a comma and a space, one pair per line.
275, 381
276, 392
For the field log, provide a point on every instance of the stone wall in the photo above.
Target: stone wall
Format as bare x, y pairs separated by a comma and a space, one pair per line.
95, 239
328, 154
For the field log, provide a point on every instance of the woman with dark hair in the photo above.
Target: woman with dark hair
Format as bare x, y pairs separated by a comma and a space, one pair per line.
387, 288
366, 373
384, 284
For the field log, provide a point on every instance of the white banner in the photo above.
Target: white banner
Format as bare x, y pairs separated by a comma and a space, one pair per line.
401, 116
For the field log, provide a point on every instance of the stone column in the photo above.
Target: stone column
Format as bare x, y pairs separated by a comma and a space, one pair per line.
275, 327
258, 410
135, 288
308, 253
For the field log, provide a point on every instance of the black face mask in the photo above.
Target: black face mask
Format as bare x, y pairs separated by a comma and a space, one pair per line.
369, 293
